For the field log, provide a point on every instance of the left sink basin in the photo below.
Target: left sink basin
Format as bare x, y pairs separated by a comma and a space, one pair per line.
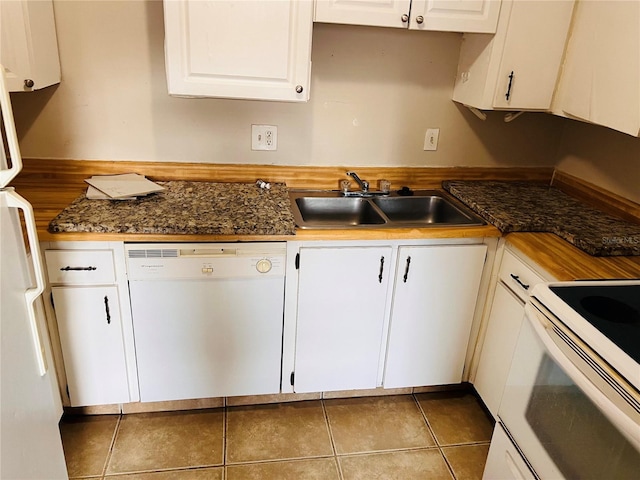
319, 211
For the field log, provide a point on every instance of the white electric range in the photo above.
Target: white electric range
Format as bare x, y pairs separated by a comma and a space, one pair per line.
571, 406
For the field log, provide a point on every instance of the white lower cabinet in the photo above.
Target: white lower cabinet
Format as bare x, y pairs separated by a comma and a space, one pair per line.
341, 312
434, 300
383, 315
90, 331
515, 281
90, 323
507, 313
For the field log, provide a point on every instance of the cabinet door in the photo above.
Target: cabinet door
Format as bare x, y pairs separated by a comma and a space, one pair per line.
480, 16
239, 49
92, 347
377, 13
601, 74
341, 309
28, 45
531, 59
485, 79
433, 305
507, 313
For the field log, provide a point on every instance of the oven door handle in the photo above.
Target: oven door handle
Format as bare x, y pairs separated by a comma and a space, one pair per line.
542, 327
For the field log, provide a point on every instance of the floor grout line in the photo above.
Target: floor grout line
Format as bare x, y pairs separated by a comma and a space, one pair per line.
435, 438
426, 420
331, 439
225, 429
111, 447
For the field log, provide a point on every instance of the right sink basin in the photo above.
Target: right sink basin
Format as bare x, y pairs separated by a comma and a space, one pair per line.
426, 208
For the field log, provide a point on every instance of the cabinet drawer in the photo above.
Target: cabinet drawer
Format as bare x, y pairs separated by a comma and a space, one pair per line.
80, 267
518, 276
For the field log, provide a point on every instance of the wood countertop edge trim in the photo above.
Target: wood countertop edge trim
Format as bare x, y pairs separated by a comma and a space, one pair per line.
566, 262
301, 235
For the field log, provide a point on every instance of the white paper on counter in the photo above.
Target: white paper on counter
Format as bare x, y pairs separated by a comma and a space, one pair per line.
124, 185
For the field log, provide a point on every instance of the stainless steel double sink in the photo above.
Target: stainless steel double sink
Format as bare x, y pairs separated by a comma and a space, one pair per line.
425, 208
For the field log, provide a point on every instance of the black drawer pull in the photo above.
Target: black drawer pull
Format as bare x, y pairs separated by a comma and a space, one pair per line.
106, 309
381, 269
517, 279
406, 270
508, 94
78, 269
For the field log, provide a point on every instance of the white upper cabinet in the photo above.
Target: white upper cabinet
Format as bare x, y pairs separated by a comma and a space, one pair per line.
517, 68
600, 80
444, 15
239, 49
480, 16
375, 13
28, 45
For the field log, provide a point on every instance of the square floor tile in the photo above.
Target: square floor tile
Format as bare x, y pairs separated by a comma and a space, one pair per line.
456, 417
155, 441
215, 473
377, 423
403, 465
277, 432
311, 469
467, 461
86, 441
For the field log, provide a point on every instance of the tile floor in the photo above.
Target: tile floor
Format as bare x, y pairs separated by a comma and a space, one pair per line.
441, 435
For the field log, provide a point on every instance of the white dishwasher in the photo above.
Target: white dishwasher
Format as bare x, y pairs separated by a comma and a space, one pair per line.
207, 318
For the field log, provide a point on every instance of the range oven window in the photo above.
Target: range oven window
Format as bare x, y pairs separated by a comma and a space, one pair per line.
574, 433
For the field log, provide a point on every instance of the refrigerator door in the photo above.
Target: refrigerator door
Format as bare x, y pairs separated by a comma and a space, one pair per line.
30, 443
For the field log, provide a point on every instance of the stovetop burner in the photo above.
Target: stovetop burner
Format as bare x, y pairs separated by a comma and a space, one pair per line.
613, 309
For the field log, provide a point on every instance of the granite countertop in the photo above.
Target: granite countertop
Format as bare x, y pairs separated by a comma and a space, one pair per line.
536, 207
202, 208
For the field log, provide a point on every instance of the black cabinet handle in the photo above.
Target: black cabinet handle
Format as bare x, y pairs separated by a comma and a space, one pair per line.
381, 269
106, 309
517, 279
406, 269
78, 269
508, 94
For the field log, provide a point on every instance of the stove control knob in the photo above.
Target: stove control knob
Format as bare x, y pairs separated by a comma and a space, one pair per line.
264, 265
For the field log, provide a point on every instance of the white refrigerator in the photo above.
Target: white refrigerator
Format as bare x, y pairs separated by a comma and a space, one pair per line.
30, 407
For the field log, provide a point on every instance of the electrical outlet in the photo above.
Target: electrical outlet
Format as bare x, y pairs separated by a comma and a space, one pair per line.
264, 137
431, 139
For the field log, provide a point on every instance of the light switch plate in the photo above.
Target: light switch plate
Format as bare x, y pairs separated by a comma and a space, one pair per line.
264, 137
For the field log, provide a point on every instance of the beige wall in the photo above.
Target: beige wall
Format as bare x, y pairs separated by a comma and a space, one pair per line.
374, 93
602, 156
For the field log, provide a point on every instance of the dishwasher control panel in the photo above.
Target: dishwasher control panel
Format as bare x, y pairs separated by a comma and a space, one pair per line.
204, 260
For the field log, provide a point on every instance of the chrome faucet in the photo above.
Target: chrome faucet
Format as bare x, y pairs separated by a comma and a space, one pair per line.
364, 185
